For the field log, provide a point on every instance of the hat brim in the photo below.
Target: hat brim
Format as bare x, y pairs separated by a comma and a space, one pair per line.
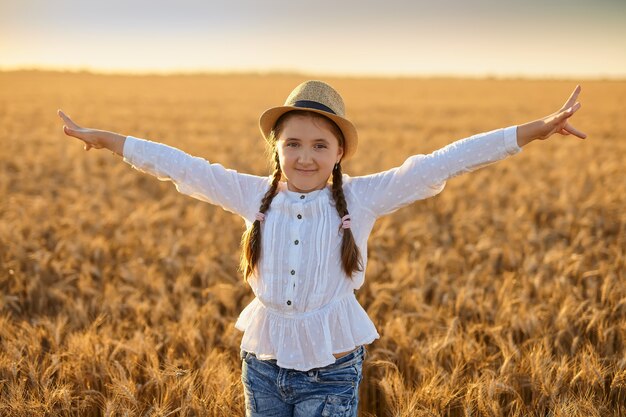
270, 116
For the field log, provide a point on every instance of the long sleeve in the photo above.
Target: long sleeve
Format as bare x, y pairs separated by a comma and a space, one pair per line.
196, 177
422, 176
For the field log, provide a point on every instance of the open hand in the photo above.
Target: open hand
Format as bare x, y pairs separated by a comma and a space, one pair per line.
558, 122
89, 136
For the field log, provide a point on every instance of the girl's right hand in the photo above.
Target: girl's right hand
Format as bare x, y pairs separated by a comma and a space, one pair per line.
89, 136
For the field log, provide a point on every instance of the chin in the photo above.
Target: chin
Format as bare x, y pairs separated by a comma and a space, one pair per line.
308, 187
305, 187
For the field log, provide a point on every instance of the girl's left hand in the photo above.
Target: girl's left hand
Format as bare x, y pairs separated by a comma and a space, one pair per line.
557, 122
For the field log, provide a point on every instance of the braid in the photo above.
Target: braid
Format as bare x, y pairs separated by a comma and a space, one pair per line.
251, 239
350, 254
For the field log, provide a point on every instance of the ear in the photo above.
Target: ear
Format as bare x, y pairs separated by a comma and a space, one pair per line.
339, 154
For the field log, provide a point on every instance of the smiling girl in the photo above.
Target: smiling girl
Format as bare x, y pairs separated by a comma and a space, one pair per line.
304, 251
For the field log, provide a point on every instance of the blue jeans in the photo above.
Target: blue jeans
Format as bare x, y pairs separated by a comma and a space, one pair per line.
333, 390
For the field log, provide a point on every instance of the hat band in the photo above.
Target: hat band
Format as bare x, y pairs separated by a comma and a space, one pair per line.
309, 104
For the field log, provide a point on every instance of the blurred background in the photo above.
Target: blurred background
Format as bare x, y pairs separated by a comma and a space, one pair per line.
558, 38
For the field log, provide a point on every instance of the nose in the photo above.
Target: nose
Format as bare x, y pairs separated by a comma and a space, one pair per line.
304, 157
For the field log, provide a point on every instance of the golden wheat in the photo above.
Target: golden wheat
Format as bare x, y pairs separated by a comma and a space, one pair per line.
503, 295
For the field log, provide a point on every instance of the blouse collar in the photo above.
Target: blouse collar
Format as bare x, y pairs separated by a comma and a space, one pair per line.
303, 197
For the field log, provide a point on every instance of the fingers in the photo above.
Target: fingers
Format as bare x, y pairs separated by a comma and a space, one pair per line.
66, 119
568, 112
78, 135
72, 129
568, 128
572, 98
571, 129
67, 130
62, 115
72, 132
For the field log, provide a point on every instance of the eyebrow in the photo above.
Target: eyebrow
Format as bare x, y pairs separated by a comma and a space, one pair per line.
314, 140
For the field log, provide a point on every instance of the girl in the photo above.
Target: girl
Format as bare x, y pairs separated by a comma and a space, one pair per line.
304, 250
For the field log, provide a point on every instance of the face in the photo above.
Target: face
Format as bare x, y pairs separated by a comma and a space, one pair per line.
308, 151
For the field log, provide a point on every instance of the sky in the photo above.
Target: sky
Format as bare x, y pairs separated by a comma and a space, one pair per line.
505, 38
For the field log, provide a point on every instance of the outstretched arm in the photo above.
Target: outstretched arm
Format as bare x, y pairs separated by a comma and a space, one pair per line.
556, 122
422, 176
194, 176
484, 149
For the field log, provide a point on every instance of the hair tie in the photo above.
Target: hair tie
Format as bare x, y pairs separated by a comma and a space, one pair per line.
345, 221
260, 216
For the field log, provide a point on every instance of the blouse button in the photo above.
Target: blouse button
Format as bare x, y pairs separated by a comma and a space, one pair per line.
293, 272
299, 216
301, 197
296, 242
288, 302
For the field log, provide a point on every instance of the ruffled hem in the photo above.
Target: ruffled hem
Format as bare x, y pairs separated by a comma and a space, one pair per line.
304, 341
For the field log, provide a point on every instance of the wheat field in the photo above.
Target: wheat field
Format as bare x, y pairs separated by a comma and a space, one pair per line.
505, 295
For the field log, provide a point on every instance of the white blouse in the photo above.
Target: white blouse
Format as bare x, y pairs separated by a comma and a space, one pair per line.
305, 307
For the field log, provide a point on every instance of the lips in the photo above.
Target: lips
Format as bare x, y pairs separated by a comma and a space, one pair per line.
306, 171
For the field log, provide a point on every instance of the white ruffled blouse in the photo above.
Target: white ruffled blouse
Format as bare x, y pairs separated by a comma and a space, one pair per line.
305, 307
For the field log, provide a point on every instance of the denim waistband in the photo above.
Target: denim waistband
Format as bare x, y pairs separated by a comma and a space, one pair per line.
359, 353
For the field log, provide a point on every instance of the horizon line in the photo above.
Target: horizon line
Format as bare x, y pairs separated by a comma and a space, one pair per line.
296, 72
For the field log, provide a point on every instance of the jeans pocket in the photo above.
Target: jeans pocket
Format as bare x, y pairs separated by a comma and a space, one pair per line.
336, 406
341, 375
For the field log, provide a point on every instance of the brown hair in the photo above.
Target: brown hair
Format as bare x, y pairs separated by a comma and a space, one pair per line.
251, 239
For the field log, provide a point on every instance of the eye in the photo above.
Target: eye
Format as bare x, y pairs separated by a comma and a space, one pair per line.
292, 143
321, 145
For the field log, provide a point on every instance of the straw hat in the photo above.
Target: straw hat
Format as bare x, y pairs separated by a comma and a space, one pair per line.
318, 97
